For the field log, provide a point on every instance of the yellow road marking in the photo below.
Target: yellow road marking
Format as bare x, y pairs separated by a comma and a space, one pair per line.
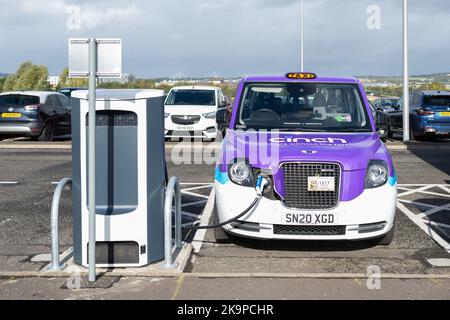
180, 282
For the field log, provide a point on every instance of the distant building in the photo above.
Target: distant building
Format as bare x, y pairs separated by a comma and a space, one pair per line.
53, 80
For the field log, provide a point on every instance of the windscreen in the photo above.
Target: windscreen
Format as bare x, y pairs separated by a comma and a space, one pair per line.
191, 97
441, 101
303, 107
18, 100
388, 102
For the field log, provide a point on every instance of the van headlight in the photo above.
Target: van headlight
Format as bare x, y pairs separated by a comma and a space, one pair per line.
377, 174
166, 115
240, 173
209, 115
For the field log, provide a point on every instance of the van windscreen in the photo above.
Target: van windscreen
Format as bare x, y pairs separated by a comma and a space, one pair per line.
192, 97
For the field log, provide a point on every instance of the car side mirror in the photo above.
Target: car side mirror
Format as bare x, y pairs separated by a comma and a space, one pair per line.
382, 132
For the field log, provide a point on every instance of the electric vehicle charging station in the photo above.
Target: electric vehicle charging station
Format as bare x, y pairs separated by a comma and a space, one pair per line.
130, 177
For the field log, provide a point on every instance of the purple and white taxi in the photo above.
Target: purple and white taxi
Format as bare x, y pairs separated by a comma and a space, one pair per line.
303, 160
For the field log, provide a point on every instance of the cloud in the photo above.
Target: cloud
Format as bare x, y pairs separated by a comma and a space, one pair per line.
231, 37
91, 16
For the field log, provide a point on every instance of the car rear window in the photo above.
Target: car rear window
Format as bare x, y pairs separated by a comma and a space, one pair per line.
19, 100
437, 100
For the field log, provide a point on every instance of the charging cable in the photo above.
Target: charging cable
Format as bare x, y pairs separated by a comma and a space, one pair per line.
261, 184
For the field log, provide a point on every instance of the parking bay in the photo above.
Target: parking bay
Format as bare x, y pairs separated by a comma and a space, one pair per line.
26, 194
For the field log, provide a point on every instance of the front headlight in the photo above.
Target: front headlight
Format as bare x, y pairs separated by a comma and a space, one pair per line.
166, 115
241, 173
209, 115
377, 174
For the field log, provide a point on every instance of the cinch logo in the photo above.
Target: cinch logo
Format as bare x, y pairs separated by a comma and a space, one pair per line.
309, 140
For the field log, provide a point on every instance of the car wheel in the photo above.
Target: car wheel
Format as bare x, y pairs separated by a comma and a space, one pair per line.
389, 133
48, 132
387, 238
412, 137
220, 234
224, 132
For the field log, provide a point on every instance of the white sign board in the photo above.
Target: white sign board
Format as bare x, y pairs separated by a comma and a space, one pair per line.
109, 58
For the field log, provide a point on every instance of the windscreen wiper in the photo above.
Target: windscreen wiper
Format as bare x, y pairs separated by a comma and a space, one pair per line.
301, 130
352, 130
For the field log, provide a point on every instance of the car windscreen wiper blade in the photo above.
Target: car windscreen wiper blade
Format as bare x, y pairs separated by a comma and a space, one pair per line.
301, 130
351, 130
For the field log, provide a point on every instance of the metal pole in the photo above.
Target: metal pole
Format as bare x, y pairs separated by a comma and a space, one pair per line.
405, 74
178, 229
54, 218
91, 158
169, 197
302, 39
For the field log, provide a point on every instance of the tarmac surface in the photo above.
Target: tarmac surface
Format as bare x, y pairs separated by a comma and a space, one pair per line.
244, 269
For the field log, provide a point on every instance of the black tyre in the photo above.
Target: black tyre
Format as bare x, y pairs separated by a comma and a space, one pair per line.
48, 132
387, 238
412, 137
220, 234
389, 133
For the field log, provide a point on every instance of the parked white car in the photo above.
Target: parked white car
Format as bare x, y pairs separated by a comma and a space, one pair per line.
191, 111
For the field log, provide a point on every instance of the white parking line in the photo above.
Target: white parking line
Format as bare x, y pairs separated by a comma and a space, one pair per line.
425, 205
443, 187
423, 188
437, 224
197, 242
422, 220
435, 210
197, 188
435, 194
422, 225
194, 194
189, 214
195, 183
9, 182
421, 185
193, 203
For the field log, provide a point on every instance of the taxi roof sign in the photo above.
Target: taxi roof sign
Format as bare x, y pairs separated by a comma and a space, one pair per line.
301, 75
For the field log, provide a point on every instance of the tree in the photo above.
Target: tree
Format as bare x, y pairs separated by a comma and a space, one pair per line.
28, 77
2, 82
65, 81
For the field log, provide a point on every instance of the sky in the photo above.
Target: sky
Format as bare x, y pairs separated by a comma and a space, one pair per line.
230, 38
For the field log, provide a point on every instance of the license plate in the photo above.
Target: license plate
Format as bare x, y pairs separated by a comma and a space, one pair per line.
444, 114
321, 184
309, 218
185, 128
11, 115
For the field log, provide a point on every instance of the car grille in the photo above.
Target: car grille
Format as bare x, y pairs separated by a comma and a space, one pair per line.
185, 120
309, 230
296, 185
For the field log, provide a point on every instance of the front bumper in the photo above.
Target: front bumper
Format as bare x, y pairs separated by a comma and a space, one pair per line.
373, 206
205, 128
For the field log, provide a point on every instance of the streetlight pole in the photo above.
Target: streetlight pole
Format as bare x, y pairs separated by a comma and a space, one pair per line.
405, 74
302, 38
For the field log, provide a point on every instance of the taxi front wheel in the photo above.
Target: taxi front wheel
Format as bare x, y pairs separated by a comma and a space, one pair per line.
220, 234
387, 238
